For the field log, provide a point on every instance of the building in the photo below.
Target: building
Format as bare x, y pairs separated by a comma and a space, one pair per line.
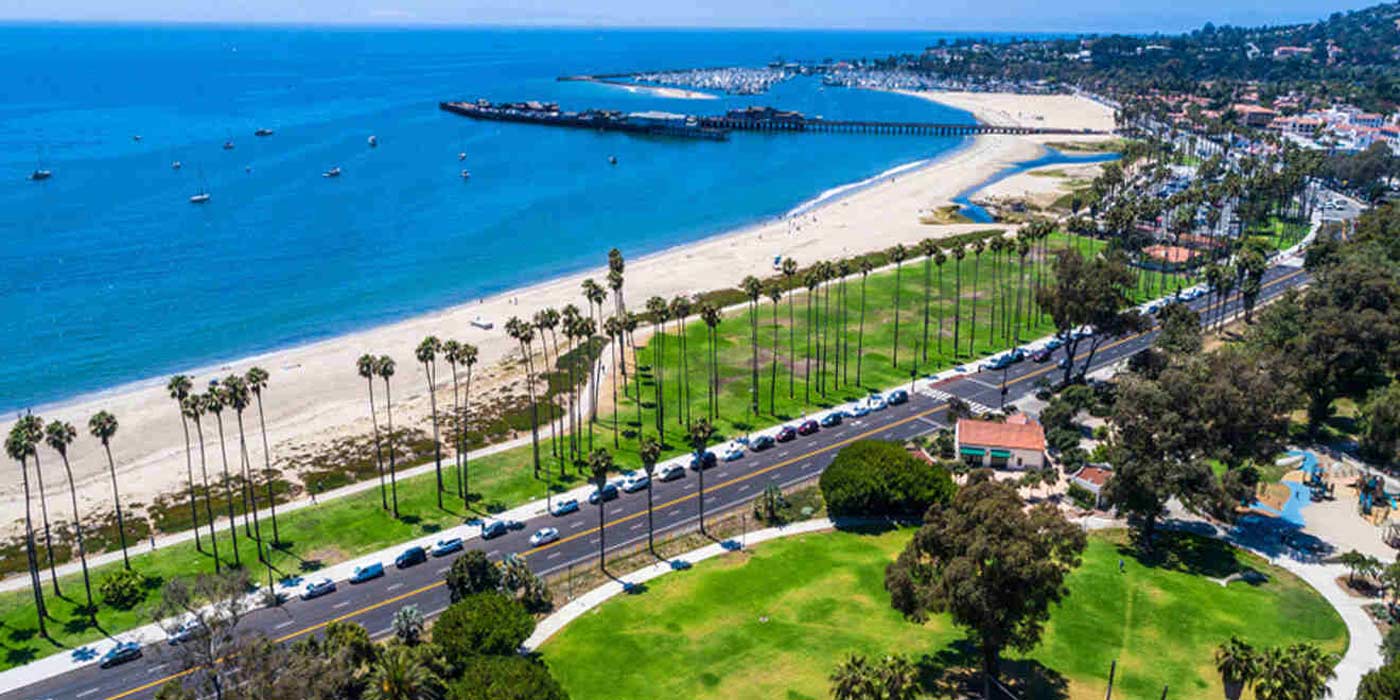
1092, 479
1287, 52
1254, 115
1172, 257
1019, 443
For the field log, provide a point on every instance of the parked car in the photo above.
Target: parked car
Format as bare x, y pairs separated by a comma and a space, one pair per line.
607, 493
411, 556
1054, 343
1063, 363
897, 397
367, 572
705, 460
808, 427
762, 442
876, 402
121, 653
787, 434
442, 548
544, 535
733, 451
1042, 355
831, 419
858, 410
563, 507
318, 587
635, 481
670, 472
185, 632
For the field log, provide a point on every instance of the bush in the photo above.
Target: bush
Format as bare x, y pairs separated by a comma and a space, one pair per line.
1082, 497
123, 589
472, 573
872, 477
506, 678
485, 624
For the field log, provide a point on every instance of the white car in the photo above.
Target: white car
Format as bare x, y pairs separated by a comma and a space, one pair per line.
732, 451
185, 632
544, 535
634, 481
670, 471
876, 402
316, 588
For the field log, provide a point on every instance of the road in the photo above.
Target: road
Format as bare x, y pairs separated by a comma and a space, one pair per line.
727, 486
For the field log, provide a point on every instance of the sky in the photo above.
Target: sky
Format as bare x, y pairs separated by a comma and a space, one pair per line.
1138, 16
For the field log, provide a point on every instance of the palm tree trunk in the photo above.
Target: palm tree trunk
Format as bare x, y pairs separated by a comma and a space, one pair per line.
860, 331
208, 495
940, 312
898, 269
228, 494
430, 372
972, 337
792, 348
36, 581
807, 379
957, 308
753, 344
189, 476
651, 527
773, 380
44, 513
78, 524
248, 488
393, 457
457, 436
378, 451
613, 353
466, 455
927, 299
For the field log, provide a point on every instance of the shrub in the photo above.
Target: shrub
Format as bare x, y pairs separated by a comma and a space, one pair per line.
472, 573
484, 624
123, 589
506, 678
1082, 497
872, 477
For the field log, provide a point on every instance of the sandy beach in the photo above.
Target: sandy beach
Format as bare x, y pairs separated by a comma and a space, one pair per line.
315, 395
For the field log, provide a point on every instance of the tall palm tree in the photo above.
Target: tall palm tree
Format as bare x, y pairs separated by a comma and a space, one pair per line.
854, 679
585, 329
452, 354
524, 335
193, 407
256, 378
427, 354
619, 309
17, 447
775, 294
996, 246
214, 402
467, 356
179, 388
368, 367
700, 435
710, 314
34, 432
828, 274
753, 289
545, 321
660, 312
789, 274
977, 248
939, 258
844, 268
630, 322
865, 268
680, 310
959, 252
612, 328
59, 435
103, 426
398, 674
898, 255
236, 396
596, 295
1023, 249
650, 452
929, 248
569, 324
384, 367
599, 462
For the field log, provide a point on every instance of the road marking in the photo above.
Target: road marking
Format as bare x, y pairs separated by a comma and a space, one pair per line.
86, 693
744, 487
553, 555
444, 569
493, 552
394, 587
156, 667
576, 524
282, 625
340, 605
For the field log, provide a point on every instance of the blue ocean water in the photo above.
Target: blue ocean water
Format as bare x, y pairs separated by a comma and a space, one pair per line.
109, 275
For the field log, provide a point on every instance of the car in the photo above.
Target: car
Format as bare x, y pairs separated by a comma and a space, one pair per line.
1082, 333
411, 556
367, 572
897, 397
607, 493
671, 472
635, 481
1054, 343
808, 427
185, 632
563, 507
544, 535
832, 419
1154, 308
787, 433
858, 410
442, 548
1063, 363
705, 460
315, 588
120, 654
876, 402
761, 443
1042, 355
733, 451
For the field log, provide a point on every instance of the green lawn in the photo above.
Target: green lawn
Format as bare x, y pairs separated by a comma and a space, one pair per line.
774, 622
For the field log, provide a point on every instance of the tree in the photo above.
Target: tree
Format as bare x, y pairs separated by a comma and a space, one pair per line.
384, 367
710, 314
993, 565
452, 353
472, 573
482, 624
214, 402
874, 477
215, 605
1354, 561
179, 389
680, 311
599, 463
506, 678
1380, 684
256, 378
1237, 664
977, 247
1180, 334
789, 270
613, 329
1092, 294
898, 255
236, 396
700, 435
368, 367
18, 447
103, 426
775, 294
928, 248
193, 407
33, 427
408, 625
855, 679
959, 252
753, 289
660, 312
1380, 425
650, 451
524, 335
399, 674
524, 585
59, 435
865, 268
426, 354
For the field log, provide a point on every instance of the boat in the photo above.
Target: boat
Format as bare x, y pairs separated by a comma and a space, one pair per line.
373, 142
263, 132
175, 165
200, 198
612, 160
333, 172
40, 174
466, 175
228, 145
136, 138
461, 156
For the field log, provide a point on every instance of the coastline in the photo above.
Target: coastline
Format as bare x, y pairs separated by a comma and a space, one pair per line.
315, 396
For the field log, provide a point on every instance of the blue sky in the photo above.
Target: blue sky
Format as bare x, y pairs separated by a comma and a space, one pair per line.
949, 15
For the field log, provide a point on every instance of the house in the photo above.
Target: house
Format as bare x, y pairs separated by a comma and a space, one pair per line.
1254, 115
1092, 478
1018, 443
1284, 53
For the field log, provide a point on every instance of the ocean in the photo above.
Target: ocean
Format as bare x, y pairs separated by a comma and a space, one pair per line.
109, 275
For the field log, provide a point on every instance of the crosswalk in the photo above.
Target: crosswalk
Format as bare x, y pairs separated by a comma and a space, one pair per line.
943, 396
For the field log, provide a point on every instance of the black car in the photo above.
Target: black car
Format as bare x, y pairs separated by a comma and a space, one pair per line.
120, 654
787, 434
897, 397
704, 461
608, 493
760, 443
808, 427
831, 420
494, 529
1041, 355
411, 556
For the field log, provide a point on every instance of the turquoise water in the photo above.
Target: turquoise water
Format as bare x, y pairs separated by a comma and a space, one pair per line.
109, 275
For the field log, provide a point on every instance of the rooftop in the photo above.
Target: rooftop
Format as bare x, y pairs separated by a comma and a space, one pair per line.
1024, 434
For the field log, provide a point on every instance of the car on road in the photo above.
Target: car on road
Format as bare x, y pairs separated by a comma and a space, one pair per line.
670, 472
563, 507
831, 419
1042, 355
411, 556
120, 654
897, 397
607, 493
1063, 363
185, 632
808, 427
761, 443
367, 572
1054, 343
442, 548
704, 460
787, 433
733, 451
315, 588
544, 535
858, 410
635, 481
876, 402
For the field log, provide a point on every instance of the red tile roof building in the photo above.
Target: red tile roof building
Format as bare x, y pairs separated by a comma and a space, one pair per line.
1018, 443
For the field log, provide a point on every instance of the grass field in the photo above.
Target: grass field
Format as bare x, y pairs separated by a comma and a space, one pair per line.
774, 622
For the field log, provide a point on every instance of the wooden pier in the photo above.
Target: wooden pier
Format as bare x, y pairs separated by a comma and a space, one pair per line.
841, 126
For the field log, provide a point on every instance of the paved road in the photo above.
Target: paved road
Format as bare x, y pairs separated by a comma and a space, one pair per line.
727, 486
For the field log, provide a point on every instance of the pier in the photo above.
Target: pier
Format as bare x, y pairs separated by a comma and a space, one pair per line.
549, 114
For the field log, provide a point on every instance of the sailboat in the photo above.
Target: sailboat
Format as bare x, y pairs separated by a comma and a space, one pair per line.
461, 156
228, 145
373, 141
40, 172
263, 132
333, 172
202, 195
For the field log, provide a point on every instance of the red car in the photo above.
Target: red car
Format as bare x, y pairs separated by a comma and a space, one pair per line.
787, 434
808, 427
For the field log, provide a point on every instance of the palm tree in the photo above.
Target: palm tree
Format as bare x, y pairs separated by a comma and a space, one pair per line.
977, 248
854, 679
214, 402
789, 273
193, 407
256, 378
34, 431
59, 435
585, 329
1274, 677
103, 426
546, 320
236, 396
775, 294
753, 289
865, 269
843, 340
1238, 665
467, 356
596, 295
524, 335
569, 323
1312, 670
18, 447
426, 354
368, 367
612, 328
179, 388
680, 311
939, 257
898, 678
1023, 249
650, 452
384, 367
599, 462
929, 248
452, 354
620, 310
996, 246
709, 313
812, 281
399, 675
630, 322
959, 252
897, 255
660, 313
700, 434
